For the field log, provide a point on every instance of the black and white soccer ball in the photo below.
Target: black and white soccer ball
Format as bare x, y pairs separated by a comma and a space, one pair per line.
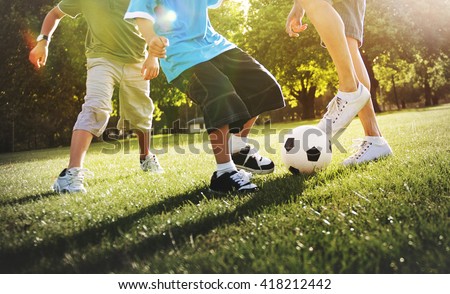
306, 149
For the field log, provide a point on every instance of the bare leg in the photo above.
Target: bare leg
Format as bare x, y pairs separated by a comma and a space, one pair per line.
79, 145
144, 143
367, 113
219, 143
247, 127
330, 27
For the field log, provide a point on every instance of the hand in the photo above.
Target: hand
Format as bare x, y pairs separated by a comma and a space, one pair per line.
150, 68
157, 46
294, 24
38, 56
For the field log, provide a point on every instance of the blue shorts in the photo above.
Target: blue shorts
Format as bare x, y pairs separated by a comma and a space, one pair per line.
230, 89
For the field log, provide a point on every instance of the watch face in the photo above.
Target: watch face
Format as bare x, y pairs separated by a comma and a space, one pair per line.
42, 37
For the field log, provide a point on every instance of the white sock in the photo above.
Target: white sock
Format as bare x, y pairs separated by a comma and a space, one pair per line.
375, 140
236, 143
350, 96
225, 168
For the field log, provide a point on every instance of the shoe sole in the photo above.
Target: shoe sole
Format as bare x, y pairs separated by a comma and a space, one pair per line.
367, 161
57, 189
256, 171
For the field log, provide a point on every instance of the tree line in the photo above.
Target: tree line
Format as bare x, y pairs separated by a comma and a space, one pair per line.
406, 50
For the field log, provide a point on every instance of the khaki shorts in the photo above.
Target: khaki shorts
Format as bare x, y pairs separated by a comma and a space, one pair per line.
352, 14
135, 105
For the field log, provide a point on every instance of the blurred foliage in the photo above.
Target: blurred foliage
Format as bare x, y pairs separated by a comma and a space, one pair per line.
406, 49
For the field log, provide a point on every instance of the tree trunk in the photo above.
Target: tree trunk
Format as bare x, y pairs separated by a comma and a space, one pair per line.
427, 90
307, 100
435, 99
395, 93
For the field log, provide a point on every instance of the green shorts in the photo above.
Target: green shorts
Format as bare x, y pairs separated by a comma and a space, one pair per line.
352, 14
231, 88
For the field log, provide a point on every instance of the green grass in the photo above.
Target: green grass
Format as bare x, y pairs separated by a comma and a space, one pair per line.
389, 216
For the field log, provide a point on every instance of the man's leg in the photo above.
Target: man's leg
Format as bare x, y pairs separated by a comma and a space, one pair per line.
367, 113
352, 95
331, 29
373, 146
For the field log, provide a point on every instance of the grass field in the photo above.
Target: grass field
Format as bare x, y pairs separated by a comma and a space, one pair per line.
390, 216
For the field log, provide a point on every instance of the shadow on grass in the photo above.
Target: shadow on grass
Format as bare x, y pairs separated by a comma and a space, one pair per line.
48, 257
29, 198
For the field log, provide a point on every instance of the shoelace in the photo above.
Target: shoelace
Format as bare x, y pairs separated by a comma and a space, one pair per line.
254, 153
360, 147
242, 177
77, 176
334, 107
151, 162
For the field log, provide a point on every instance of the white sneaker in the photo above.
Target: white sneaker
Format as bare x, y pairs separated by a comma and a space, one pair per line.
340, 111
368, 149
71, 180
151, 164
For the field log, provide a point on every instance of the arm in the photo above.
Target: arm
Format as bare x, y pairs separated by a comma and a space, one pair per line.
156, 47
294, 20
38, 55
156, 44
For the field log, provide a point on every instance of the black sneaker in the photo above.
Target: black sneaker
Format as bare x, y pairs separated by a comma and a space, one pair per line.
235, 181
250, 160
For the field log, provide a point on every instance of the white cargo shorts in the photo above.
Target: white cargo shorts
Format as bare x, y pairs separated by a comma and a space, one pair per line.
135, 106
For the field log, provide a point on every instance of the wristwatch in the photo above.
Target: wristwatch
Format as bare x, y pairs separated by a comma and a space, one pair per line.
42, 37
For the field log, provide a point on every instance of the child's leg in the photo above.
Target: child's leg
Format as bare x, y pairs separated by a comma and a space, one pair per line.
79, 145
367, 113
247, 127
239, 141
219, 143
148, 161
330, 27
144, 143
226, 178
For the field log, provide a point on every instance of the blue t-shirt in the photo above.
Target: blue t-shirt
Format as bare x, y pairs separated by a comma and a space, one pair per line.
186, 24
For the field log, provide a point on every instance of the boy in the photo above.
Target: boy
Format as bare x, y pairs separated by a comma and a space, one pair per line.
230, 86
115, 52
340, 26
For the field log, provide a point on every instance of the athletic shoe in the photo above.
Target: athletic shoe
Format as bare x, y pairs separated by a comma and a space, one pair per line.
151, 164
235, 181
249, 159
71, 180
340, 111
368, 149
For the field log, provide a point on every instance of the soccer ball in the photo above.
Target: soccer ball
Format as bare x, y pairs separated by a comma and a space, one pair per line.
306, 149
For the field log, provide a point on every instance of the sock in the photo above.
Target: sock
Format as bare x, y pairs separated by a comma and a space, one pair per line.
236, 143
145, 157
350, 96
225, 168
375, 140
